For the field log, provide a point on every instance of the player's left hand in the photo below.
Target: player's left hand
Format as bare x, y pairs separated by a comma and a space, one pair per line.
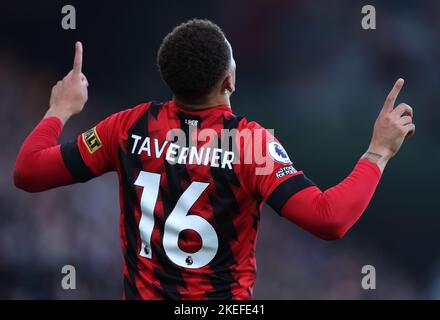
70, 94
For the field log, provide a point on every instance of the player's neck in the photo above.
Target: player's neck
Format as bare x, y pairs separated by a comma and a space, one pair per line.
212, 102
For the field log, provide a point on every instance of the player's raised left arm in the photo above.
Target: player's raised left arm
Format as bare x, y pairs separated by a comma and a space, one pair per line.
330, 214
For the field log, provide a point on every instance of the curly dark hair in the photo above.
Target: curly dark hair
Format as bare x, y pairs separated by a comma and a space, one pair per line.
193, 58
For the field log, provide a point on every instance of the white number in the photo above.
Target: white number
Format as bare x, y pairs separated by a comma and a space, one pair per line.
177, 221
150, 182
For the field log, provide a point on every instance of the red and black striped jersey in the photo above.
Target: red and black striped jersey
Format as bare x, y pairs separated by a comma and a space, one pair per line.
191, 187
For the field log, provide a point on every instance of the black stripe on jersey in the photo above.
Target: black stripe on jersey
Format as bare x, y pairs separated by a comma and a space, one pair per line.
249, 293
224, 206
287, 189
74, 162
155, 108
129, 198
256, 219
169, 275
129, 168
130, 290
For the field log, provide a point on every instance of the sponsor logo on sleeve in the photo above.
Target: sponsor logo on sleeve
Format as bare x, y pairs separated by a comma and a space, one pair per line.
91, 140
284, 171
278, 153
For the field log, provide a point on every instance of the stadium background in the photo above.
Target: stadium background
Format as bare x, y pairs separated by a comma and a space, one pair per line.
305, 68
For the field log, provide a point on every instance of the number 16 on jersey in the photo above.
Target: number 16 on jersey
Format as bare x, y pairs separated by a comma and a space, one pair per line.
178, 221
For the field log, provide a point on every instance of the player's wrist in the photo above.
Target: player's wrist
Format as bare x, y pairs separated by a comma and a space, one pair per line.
63, 115
384, 152
378, 155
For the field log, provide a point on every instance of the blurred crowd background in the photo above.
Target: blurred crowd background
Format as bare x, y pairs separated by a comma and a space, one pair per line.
305, 68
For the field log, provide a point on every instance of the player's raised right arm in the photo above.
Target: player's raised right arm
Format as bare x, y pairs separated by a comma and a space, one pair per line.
40, 164
70, 94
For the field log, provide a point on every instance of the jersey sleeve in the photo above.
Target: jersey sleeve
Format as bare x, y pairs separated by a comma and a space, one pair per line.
94, 152
39, 165
330, 214
267, 170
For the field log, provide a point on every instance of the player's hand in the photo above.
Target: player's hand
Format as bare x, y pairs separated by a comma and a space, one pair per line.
392, 126
70, 94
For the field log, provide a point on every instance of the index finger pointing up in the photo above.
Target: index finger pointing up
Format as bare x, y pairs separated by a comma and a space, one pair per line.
77, 61
392, 96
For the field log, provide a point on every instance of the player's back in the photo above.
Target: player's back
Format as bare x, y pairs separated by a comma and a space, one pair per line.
188, 225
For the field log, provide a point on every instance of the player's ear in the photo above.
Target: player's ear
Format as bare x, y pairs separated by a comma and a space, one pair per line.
228, 83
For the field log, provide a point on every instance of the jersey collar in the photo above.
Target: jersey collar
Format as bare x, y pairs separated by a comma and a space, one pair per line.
219, 108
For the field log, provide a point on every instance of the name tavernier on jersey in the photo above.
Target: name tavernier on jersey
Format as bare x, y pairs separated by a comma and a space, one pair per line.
214, 157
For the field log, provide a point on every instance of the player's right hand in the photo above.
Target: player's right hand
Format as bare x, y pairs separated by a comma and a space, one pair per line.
70, 94
393, 125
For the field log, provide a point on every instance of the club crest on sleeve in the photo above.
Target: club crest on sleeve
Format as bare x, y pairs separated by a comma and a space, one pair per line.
278, 153
91, 140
